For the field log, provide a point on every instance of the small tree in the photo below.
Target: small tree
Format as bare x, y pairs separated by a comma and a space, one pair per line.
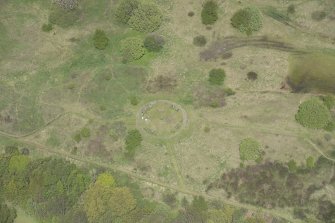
146, 18
209, 13
216, 76
100, 39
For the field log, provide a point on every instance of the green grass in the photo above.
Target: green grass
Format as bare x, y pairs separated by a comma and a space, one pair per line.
312, 72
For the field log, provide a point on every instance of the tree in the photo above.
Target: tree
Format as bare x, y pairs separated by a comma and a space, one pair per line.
313, 114
146, 18
132, 48
7, 214
216, 76
209, 13
100, 39
247, 20
125, 10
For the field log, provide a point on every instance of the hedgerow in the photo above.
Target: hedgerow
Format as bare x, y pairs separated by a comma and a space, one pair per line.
313, 114
247, 20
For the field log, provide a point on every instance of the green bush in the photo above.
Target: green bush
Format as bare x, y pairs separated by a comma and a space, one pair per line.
209, 13
291, 9
154, 43
330, 126
100, 39
292, 166
216, 76
199, 40
134, 100
62, 17
125, 10
252, 76
146, 18
250, 149
310, 162
132, 48
132, 141
313, 114
247, 20
47, 27
229, 92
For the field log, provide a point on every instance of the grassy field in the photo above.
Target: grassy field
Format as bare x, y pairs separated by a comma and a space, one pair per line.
54, 84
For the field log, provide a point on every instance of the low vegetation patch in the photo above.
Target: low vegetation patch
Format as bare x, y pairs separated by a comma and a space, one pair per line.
47, 27
100, 39
250, 149
247, 20
318, 15
132, 141
63, 17
209, 13
313, 114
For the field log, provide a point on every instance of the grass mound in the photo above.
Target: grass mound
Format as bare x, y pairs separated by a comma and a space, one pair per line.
312, 72
313, 114
250, 149
247, 20
209, 13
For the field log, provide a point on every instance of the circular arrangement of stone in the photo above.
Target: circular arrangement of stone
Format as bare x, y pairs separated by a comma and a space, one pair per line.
161, 118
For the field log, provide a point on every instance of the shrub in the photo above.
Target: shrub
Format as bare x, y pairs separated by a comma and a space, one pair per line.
125, 10
199, 40
209, 13
252, 76
313, 114
310, 162
229, 91
216, 76
47, 27
67, 4
134, 100
328, 101
154, 43
62, 17
132, 141
330, 126
190, 14
85, 132
132, 48
100, 39
318, 15
146, 18
247, 20
250, 149
291, 9
292, 166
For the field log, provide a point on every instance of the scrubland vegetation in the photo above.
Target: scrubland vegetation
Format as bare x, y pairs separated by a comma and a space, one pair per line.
167, 111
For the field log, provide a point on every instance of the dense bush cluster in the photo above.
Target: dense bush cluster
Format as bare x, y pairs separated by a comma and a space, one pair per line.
154, 43
271, 185
100, 39
247, 20
216, 76
250, 149
209, 13
199, 40
132, 48
7, 214
313, 114
146, 18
